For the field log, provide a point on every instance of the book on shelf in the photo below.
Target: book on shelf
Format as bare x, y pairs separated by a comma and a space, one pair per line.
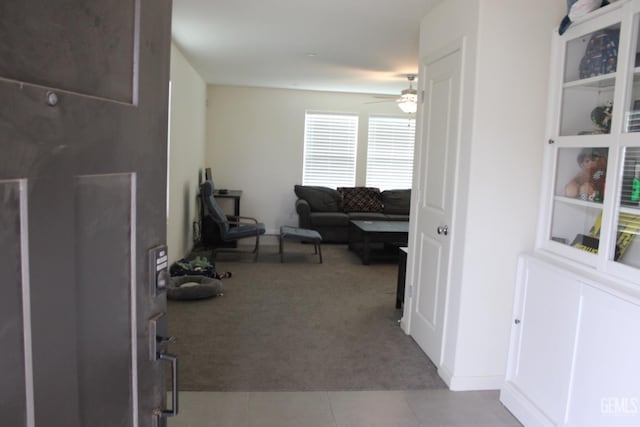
628, 228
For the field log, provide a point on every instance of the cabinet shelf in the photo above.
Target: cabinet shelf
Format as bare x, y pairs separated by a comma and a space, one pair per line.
630, 210
604, 81
578, 202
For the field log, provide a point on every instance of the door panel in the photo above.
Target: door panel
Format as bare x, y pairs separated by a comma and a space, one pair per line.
547, 329
93, 166
427, 297
83, 47
439, 122
438, 146
105, 238
13, 391
604, 388
54, 300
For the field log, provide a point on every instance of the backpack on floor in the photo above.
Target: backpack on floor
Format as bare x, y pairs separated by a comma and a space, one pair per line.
198, 267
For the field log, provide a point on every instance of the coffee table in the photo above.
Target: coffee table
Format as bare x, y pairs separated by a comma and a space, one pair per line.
364, 234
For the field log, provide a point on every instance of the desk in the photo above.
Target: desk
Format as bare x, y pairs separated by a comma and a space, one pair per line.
230, 194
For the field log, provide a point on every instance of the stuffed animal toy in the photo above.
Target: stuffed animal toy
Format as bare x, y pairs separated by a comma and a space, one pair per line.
601, 117
589, 183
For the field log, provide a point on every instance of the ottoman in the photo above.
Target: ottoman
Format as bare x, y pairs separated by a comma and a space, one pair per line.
300, 235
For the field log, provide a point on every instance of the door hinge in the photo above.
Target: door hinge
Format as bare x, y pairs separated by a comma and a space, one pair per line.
410, 291
422, 96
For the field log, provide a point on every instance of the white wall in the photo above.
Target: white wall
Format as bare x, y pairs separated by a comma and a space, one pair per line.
255, 142
506, 68
453, 22
512, 74
186, 152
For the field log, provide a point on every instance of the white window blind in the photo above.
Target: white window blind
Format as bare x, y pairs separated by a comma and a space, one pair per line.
330, 149
390, 152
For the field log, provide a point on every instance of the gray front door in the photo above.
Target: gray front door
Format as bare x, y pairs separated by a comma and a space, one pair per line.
83, 131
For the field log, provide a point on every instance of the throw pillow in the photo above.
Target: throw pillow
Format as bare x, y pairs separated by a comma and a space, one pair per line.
361, 199
396, 202
320, 199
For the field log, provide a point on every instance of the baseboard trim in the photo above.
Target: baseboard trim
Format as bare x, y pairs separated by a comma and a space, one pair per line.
522, 408
460, 383
404, 326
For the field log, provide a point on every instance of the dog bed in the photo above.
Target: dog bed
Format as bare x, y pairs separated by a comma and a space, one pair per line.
194, 287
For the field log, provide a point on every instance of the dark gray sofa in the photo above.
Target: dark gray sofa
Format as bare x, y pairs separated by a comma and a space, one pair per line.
329, 211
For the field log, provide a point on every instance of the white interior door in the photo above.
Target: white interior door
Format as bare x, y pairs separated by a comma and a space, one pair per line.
434, 187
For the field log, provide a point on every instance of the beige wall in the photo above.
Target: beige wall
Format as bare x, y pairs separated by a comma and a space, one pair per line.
255, 141
186, 152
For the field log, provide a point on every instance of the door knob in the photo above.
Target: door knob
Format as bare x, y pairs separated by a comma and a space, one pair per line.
443, 229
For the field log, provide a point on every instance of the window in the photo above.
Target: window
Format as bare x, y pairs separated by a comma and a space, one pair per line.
330, 149
390, 152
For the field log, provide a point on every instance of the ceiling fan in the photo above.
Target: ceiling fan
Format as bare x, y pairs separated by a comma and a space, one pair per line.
408, 99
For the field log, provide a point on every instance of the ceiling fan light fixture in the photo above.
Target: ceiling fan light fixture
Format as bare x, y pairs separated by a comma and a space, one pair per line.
408, 101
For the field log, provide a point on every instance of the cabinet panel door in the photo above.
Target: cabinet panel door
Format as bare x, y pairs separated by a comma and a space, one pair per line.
606, 386
544, 345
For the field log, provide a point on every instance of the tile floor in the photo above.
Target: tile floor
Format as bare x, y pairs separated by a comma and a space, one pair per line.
424, 408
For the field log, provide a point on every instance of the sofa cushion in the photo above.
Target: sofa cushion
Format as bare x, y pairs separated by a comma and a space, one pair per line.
321, 199
329, 219
361, 199
396, 202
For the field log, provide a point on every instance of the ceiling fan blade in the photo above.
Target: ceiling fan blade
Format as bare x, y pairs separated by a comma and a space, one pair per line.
379, 102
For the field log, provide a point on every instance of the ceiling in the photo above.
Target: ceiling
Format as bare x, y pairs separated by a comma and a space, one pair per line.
361, 46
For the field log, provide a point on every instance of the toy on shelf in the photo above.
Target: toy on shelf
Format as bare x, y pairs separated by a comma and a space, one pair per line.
601, 119
635, 185
589, 183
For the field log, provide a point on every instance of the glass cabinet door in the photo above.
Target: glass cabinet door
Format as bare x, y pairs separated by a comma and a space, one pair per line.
591, 203
589, 83
627, 241
632, 113
627, 209
579, 192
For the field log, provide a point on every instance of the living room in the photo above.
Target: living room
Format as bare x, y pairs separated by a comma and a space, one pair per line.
269, 152
212, 123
